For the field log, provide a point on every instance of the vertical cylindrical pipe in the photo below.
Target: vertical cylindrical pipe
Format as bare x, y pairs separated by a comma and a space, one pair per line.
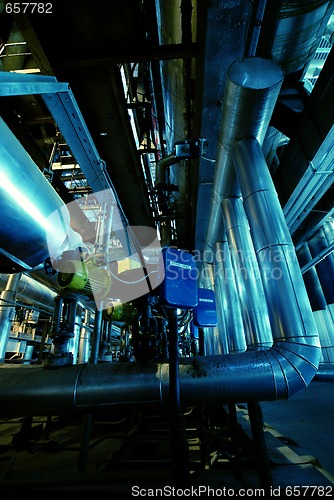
325, 268
28, 355
73, 345
84, 342
107, 225
289, 308
330, 311
328, 228
311, 280
221, 307
291, 32
7, 312
212, 338
230, 305
325, 326
248, 277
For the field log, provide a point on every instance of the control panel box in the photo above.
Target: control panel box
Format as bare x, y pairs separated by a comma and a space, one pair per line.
179, 288
205, 314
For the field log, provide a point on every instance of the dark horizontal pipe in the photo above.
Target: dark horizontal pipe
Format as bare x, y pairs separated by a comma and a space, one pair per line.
27, 390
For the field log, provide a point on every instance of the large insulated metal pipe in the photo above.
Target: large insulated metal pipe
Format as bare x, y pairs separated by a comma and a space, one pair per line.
32, 292
27, 201
229, 302
252, 88
247, 274
291, 31
292, 322
278, 373
212, 341
220, 300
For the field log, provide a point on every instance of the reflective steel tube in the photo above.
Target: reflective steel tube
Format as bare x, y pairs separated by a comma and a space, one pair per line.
27, 200
247, 275
31, 292
324, 268
252, 88
230, 302
311, 279
212, 339
296, 348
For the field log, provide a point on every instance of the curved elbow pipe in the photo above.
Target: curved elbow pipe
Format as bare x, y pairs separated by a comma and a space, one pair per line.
162, 164
295, 335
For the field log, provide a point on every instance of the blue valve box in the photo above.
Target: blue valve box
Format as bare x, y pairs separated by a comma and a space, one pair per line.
179, 288
205, 314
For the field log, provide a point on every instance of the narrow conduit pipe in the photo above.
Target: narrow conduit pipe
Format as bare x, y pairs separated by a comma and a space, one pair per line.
252, 88
220, 299
277, 373
325, 267
7, 312
247, 276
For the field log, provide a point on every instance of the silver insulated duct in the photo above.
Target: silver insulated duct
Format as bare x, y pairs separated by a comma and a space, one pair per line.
34, 217
252, 88
265, 375
247, 276
31, 292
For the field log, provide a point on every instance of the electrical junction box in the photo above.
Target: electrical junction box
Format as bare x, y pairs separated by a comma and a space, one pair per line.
179, 288
205, 314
